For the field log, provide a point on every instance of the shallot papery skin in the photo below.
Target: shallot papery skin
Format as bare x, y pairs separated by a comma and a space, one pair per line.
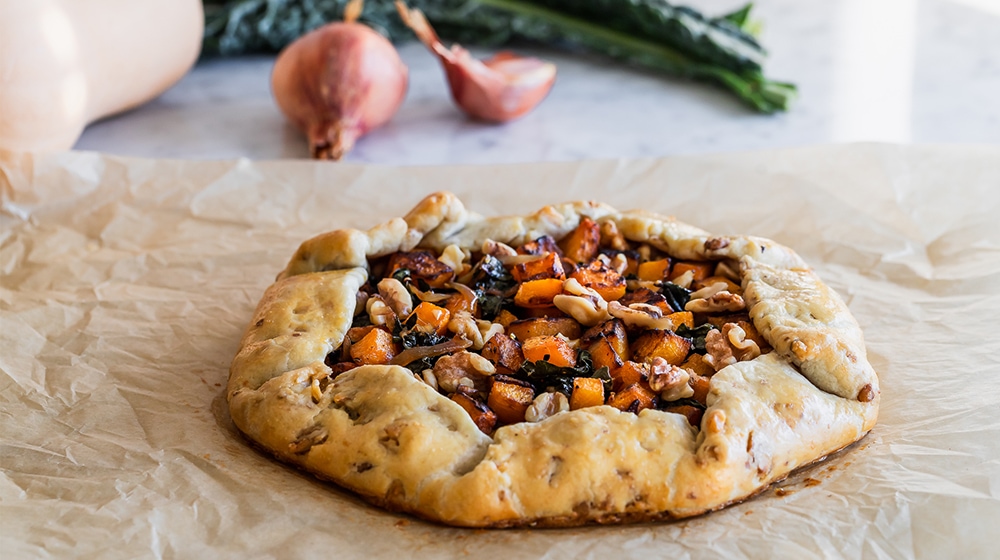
500, 89
337, 83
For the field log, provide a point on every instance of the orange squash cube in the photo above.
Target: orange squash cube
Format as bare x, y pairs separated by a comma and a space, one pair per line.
692, 413
481, 414
634, 398
696, 364
587, 391
604, 355
700, 269
681, 318
357, 333
653, 271
628, 374
540, 246
423, 265
700, 385
505, 318
459, 302
553, 349
538, 293
509, 400
376, 347
544, 326
549, 266
582, 244
614, 332
660, 344
602, 279
431, 318
649, 297
504, 352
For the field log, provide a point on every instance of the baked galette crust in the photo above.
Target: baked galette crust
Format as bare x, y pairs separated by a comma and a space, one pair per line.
379, 431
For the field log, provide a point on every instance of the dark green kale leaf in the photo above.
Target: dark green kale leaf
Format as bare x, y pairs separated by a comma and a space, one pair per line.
543, 375
402, 274
697, 336
491, 274
494, 287
676, 296
410, 339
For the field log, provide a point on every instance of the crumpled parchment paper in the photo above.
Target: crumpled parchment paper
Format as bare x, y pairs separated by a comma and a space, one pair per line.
127, 283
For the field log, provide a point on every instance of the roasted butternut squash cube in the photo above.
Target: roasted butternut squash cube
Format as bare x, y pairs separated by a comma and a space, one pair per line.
587, 391
692, 413
604, 355
549, 266
481, 414
504, 352
431, 318
700, 385
700, 269
460, 302
423, 265
660, 344
538, 293
581, 245
602, 279
376, 347
681, 318
544, 326
509, 400
553, 349
634, 398
653, 271
355, 334
614, 332
540, 246
505, 318
649, 297
696, 364
629, 373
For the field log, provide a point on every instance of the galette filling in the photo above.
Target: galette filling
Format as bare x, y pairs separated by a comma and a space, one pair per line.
518, 334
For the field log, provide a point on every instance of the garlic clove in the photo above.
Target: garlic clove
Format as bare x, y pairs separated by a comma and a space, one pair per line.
500, 89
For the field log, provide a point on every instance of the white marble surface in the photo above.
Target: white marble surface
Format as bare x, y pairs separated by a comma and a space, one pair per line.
923, 71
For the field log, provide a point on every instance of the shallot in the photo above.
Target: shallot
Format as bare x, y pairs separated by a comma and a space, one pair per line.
500, 89
338, 83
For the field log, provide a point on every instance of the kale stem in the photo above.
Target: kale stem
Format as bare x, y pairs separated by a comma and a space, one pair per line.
755, 90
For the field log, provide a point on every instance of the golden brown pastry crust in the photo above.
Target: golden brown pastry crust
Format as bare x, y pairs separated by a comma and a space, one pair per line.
384, 434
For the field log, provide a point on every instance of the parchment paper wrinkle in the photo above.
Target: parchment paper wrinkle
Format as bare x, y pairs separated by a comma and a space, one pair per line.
125, 285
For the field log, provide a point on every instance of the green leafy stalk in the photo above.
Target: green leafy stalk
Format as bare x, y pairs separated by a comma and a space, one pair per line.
760, 93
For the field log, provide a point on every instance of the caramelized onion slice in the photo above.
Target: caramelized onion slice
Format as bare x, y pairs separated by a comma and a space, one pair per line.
427, 296
419, 352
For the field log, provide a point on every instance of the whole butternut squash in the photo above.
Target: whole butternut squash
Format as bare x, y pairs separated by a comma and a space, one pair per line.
67, 63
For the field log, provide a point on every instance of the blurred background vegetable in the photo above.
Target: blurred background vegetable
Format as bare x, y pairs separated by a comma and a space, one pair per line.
65, 64
653, 34
500, 89
338, 82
